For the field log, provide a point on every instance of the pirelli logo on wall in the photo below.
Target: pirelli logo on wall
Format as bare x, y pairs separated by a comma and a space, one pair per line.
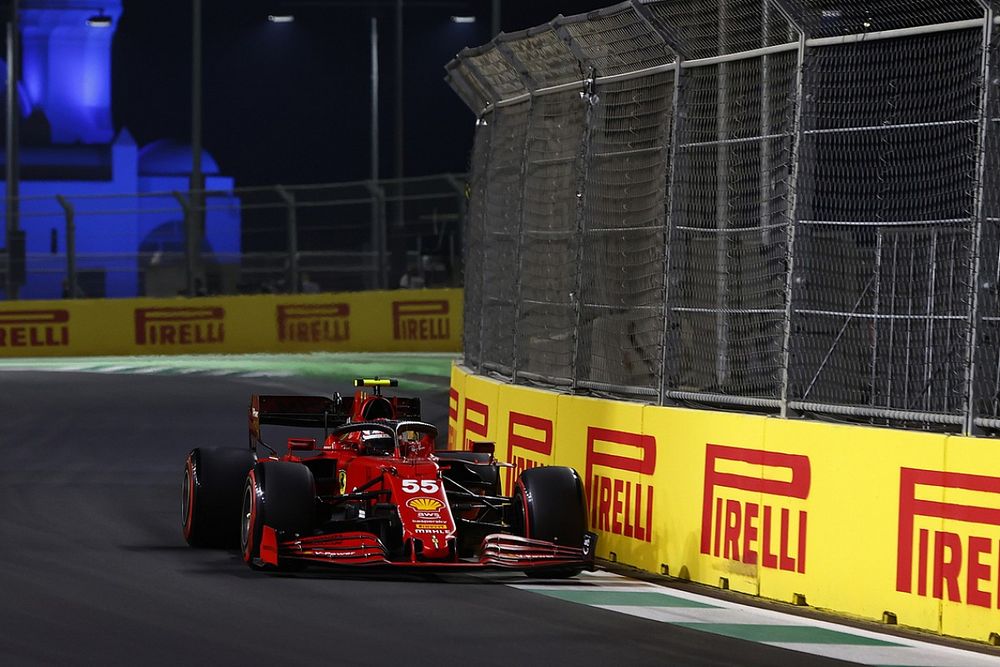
619, 502
314, 323
34, 328
753, 508
476, 421
180, 326
529, 444
453, 402
421, 320
958, 561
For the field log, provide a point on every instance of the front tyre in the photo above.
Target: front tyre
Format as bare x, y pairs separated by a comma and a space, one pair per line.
548, 503
210, 495
281, 495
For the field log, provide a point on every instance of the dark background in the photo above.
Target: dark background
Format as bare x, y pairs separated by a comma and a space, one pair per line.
289, 103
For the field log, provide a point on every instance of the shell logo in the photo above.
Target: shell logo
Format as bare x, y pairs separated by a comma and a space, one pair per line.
425, 504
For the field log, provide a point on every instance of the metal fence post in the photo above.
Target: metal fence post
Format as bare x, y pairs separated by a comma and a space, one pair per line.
793, 208
530, 85
590, 99
461, 215
722, 185
492, 98
519, 242
292, 273
979, 220
670, 155
70, 213
189, 250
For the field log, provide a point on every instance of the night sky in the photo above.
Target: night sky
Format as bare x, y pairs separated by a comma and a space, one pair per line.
290, 103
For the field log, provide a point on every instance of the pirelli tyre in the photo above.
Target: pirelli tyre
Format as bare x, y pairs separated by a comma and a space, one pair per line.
278, 494
548, 503
210, 495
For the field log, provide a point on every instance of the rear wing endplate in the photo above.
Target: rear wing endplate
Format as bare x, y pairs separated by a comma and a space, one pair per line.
307, 411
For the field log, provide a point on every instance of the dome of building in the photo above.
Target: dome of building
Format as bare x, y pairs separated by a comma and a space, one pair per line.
167, 157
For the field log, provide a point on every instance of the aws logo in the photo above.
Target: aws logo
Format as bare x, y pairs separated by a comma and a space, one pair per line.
424, 504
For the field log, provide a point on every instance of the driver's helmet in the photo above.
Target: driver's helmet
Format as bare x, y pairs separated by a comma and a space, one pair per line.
412, 442
378, 443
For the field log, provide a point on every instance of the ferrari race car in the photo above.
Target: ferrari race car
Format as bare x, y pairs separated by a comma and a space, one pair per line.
374, 491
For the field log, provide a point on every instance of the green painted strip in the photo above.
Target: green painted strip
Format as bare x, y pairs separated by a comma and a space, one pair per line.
794, 634
309, 365
621, 598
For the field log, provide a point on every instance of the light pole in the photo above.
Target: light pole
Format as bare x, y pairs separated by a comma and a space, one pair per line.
196, 209
14, 237
380, 231
399, 253
378, 226
378, 214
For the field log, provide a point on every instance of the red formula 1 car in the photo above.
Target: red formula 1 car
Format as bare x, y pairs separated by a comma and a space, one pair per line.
374, 491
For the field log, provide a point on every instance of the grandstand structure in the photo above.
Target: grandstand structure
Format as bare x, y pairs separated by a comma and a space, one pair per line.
782, 206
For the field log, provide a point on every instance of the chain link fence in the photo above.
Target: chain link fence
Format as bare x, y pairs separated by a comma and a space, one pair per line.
788, 206
282, 239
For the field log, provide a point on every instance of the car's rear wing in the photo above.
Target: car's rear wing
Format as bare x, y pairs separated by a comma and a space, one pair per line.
406, 408
306, 411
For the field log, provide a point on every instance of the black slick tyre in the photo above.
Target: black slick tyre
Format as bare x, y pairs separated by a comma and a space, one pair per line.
549, 504
210, 495
281, 495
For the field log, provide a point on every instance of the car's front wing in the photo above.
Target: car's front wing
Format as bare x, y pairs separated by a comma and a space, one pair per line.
361, 548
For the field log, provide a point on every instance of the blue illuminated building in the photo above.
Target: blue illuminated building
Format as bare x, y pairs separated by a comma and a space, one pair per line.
70, 148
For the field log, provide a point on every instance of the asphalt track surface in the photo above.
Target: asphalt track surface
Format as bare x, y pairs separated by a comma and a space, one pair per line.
94, 570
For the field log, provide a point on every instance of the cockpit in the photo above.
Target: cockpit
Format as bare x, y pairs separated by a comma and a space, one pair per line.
377, 443
416, 439
407, 439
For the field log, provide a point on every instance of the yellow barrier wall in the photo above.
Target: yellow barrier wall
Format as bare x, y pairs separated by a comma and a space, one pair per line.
857, 520
383, 321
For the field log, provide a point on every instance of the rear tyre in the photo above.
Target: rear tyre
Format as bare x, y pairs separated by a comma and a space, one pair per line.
548, 504
281, 495
210, 495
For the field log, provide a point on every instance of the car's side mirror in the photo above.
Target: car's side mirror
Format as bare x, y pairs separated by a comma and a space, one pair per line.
484, 447
303, 444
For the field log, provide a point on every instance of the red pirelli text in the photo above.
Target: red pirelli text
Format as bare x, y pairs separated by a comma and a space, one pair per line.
619, 503
770, 533
34, 328
960, 565
421, 320
180, 326
314, 323
529, 439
